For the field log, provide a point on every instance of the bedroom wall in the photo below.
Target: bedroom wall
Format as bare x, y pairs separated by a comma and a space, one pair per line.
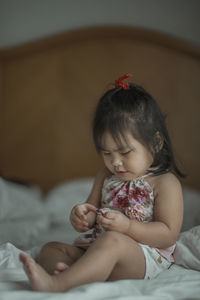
26, 20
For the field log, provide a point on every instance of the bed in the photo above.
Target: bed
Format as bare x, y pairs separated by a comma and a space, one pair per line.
48, 92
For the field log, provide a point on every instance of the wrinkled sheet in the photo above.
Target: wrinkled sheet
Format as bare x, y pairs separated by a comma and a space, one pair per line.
175, 283
26, 220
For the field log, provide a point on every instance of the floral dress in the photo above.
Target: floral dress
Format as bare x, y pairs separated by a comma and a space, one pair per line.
133, 198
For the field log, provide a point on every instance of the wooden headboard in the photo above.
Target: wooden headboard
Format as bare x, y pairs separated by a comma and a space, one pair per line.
49, 89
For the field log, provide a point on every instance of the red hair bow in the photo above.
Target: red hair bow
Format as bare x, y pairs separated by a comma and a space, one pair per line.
119, 82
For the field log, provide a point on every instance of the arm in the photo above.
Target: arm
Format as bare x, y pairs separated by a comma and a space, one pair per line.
95, 195
83, 216
168, 215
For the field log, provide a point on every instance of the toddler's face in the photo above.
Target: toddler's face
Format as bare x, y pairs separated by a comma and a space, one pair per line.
127, 162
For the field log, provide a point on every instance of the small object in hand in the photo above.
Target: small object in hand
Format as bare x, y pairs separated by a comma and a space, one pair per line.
102, 211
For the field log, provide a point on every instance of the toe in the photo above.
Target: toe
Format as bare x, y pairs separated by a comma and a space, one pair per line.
60, 266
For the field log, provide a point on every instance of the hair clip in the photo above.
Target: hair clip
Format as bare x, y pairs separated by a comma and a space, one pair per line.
119, 82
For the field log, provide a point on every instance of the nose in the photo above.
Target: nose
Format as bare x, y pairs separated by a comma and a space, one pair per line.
116, 161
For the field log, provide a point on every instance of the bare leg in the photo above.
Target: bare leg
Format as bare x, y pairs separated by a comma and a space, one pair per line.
58, 256
113, 256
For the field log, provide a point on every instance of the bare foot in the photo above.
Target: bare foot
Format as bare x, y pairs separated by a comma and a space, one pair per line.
60, 267
39, 279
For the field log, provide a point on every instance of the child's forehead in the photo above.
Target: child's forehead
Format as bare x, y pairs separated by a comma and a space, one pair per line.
117, 142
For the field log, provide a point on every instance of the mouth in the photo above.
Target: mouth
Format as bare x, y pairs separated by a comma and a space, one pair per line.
121, 172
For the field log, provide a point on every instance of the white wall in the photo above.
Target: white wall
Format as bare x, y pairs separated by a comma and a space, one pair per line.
25, 20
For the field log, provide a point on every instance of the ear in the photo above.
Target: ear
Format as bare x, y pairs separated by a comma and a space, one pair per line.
158, 142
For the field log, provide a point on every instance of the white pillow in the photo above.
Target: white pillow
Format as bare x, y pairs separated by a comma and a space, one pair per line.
187, 252
23, 233
60, 200
191, 217
18, 201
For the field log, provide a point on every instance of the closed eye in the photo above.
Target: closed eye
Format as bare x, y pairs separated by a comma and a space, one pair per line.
106, 153
125, 153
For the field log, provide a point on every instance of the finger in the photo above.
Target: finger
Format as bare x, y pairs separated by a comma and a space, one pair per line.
80, 228
84, 229
104, 221
76, 219
82, 220
90, 207
110, 215
79, 223
82, 210
77, 209
79, 212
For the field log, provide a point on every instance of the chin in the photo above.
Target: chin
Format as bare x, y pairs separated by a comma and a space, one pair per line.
125, 176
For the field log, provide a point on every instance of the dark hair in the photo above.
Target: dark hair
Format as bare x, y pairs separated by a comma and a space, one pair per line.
135, 110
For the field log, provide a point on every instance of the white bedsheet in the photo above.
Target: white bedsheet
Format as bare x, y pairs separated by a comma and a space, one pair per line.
175, 283
181, 281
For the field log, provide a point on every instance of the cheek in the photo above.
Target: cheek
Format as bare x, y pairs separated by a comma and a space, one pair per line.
106, 161
135, 163
132, 164
150, 158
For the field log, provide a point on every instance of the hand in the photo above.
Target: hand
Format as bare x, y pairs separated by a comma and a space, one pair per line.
79, 216
114, 220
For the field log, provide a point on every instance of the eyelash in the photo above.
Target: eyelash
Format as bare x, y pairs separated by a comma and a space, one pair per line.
106, 153
122, 153
125, 153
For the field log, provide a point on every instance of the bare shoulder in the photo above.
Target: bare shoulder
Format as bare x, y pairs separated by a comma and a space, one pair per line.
167, 191
165, 182
168, 194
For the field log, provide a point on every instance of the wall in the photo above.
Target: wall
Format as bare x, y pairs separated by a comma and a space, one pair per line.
26, 20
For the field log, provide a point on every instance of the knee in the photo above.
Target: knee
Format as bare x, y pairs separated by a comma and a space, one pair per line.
53, 246
112, 238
